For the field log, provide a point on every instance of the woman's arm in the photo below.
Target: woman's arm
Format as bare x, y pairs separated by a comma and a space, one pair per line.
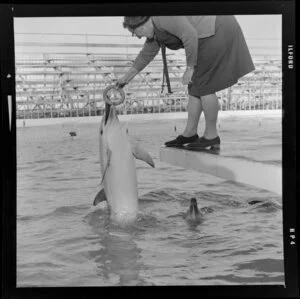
146, 55
125, 79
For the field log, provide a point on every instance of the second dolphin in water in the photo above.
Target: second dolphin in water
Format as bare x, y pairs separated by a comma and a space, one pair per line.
119, 178
193, 215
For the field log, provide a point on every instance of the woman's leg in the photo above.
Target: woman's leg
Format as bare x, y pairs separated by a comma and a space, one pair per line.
194, 112
210, 106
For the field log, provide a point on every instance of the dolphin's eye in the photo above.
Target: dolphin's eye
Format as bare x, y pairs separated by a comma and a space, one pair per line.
101, 132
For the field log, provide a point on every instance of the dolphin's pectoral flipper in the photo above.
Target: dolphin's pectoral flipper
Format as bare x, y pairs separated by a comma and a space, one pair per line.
141, 154
101, 196
107, 164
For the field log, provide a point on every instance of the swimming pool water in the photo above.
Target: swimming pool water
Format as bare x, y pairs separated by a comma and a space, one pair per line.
63, 240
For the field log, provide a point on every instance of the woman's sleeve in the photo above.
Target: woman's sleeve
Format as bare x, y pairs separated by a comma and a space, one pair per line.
184, 30
146, 55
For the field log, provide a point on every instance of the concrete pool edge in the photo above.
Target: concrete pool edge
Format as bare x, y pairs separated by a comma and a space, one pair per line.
143, 117
254, 173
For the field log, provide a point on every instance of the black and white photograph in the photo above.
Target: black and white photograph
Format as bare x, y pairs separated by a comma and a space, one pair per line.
149, 150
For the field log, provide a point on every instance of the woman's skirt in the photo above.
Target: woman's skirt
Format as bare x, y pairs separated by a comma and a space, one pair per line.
222, 59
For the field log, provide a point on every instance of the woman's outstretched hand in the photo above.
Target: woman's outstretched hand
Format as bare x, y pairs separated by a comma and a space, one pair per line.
121, 82
187, 76
127, 77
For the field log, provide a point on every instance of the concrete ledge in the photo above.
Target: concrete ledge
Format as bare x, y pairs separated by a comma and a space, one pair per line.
260, 175
145, 117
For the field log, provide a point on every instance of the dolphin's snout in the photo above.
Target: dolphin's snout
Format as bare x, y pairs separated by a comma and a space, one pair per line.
107, 112
194, 201
194, 207
110, 113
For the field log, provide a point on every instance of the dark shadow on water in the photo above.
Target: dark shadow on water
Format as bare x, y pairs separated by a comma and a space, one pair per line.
263, 265
262, 269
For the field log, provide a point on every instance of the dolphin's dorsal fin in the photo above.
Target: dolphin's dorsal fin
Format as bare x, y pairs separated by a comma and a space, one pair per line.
141, 154
107, 164
101, 196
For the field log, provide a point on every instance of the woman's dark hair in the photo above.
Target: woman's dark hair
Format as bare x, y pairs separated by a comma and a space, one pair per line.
134, 22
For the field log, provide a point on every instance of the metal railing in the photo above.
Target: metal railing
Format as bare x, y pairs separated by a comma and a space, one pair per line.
57, 84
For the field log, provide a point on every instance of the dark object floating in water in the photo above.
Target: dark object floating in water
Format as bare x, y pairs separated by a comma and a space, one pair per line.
254, 202
72, 133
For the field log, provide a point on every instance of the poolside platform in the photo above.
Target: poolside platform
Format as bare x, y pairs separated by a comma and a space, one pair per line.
260, 175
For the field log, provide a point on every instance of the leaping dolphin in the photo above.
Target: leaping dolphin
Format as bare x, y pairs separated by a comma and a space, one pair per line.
119, 178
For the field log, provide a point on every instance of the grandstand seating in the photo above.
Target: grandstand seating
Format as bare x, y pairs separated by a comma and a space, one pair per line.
55, 85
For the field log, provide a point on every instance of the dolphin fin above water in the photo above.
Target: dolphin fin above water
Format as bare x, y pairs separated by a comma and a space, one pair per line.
101, 196
141, 154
